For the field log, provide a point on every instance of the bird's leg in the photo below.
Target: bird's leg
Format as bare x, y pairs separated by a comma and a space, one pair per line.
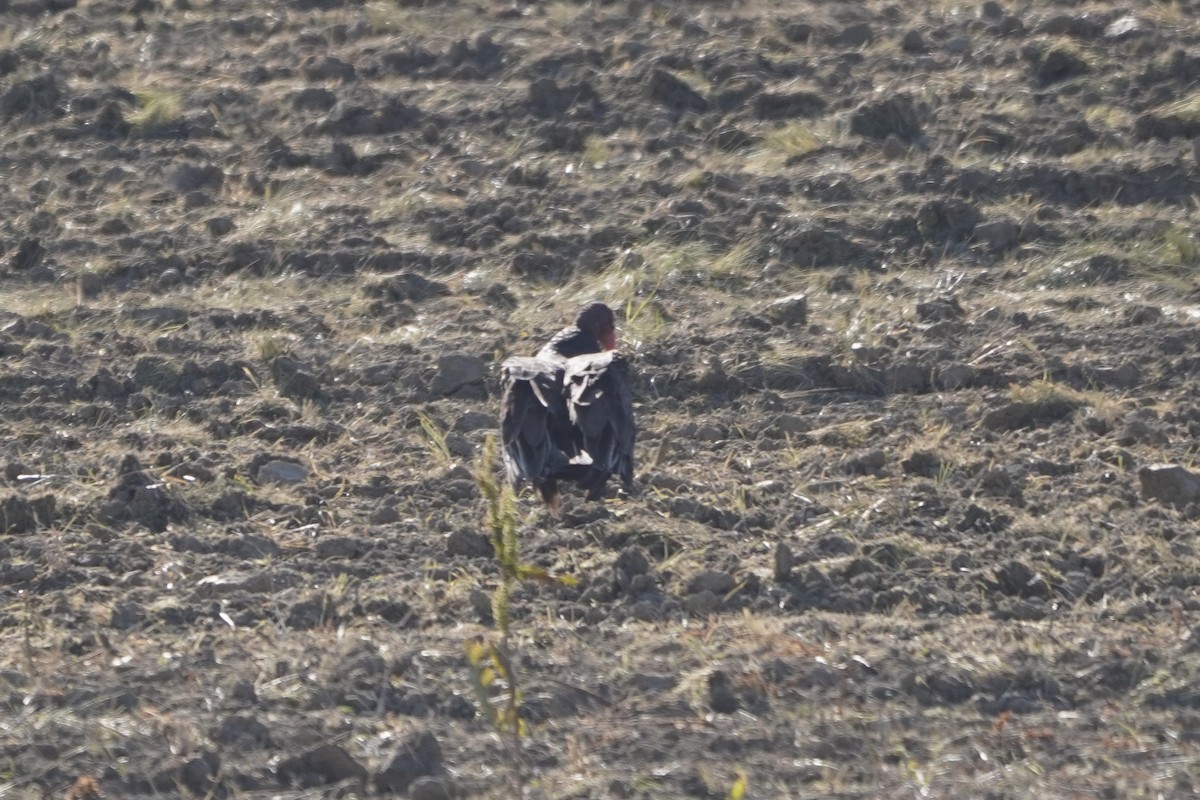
595, 485
551, 497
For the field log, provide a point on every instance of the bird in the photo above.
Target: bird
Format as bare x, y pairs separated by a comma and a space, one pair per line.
568, 411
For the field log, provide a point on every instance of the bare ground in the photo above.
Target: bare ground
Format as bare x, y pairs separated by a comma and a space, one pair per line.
912, 298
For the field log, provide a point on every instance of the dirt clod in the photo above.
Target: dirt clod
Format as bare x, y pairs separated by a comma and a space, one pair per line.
1170, 484
325, 764
418, 756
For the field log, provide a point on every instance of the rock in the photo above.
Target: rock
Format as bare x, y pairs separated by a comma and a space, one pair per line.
991, 10
461, 447
198, 774
127, 615
13, 679
1145, 431
699, 604
924, 463
385, 514
456, 370
1125, 375
947, 220
293, 380
1018, 579
787, 105
262, 582
405, 287
895, 115
431, 787
942, 687
312, 612
666, 89
338, 547
242, 731
549, 266
11, 574
325, 764
983, 520
732, 94
169, 279
1169, 484
340, 160
1084, 26
721, 697
943, 308
715, 581
632, 561
840, 282
419, 756
858, 34
1139, 314
184, 178
913, 41
281, 472
249, 546
499, 296
957, 45
1060, 64
219, 226
784, 561
906, 377
28, 255
157, 373
955, 376
1094, 269
1125, 28
347, 118
33, 99
810, 245
652, 683
548, 100
19, 514
141, 497
799, 32
468, 544
155, 317
481, 604
893, 148
244, 693
997, 236
471, 421
89, 285
1017, 415
789, 311
868, 462
1009, 25
325, 68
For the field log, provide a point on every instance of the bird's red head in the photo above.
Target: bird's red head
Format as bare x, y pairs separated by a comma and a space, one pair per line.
597, 320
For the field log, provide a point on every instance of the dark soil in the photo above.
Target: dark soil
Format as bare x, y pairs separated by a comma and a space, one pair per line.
911, 296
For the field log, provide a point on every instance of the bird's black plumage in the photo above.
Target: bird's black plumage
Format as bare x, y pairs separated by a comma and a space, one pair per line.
568, 411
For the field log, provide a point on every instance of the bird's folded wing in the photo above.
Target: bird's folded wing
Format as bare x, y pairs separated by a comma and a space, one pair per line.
600, 405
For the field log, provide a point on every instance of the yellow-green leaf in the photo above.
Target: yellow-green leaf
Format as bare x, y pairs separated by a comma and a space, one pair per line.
476, 650
532, 571
738, 790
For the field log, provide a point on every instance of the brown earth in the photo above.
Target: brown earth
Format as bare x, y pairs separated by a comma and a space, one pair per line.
899, 537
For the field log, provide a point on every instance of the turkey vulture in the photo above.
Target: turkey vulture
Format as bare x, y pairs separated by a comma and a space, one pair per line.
568, 412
